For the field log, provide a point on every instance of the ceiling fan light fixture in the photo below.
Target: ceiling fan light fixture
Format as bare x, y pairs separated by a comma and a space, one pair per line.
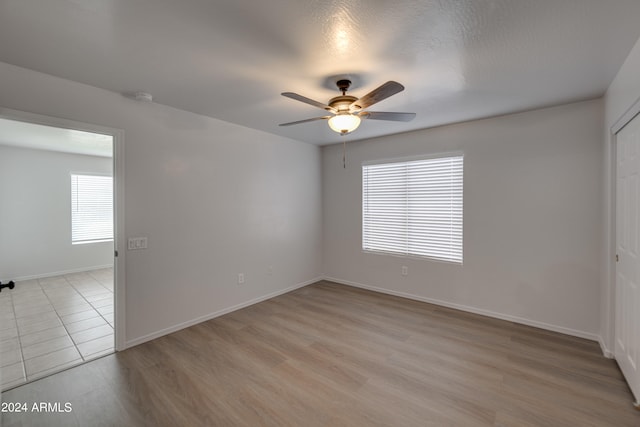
344, 123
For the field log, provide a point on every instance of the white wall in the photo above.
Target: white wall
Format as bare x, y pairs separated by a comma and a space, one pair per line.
35, 216
213, 198
532, 197
621, 95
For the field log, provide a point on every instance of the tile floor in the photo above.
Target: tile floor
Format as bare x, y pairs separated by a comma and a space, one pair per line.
50, 324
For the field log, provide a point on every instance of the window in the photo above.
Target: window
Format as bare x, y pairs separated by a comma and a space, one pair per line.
91, 208
414, 208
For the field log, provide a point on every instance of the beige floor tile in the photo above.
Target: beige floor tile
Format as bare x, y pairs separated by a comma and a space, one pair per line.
108, 318
48, 281
8, 333
41, 336
96, 346
26, 312
63, 311
105, 310
79, 276
91, 334
30, 328
81, 279
107, 283
7, 311
7, 322
20, 288
10, 344
30, 297
60, 292
102, 273
100, 296
10, 357
27, 283
41, 317
12, 373
46, 347
68, 300
88, 292
107, 302
68, 288
51, 360
76, 317
29, 303
58, 285
88, 282
85, 324
31, 324
19, 306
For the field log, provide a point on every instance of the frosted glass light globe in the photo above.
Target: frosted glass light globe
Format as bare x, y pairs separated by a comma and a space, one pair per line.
344, 122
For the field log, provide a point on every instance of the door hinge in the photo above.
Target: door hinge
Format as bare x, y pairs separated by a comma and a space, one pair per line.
115, 254
617, 258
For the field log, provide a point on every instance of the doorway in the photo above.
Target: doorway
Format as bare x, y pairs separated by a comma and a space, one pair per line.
59, 181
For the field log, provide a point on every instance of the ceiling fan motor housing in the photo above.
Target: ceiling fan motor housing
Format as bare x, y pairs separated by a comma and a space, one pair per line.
342, 102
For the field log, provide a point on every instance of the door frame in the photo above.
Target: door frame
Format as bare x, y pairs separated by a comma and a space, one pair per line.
118, 199
632, 113
608, 329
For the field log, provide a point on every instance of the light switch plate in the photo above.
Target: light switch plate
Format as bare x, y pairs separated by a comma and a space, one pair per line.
134, 243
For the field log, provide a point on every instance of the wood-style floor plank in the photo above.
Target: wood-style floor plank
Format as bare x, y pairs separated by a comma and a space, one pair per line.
330, 355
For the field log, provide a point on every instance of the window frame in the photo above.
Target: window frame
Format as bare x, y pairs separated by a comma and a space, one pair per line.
407, 160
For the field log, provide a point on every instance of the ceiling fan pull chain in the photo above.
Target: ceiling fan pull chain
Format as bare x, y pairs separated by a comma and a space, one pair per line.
344, 153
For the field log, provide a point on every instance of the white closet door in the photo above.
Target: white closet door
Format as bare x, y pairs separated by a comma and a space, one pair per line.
627, 305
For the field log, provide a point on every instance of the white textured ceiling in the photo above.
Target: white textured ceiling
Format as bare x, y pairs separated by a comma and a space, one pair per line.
39, 137
459, 59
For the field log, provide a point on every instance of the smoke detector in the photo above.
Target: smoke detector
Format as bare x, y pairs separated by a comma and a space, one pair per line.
143, 96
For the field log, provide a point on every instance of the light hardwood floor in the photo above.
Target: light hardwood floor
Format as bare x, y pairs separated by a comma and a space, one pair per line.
331, 355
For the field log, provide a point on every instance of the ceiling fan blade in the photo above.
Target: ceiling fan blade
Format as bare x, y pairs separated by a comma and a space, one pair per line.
305, 121
377, 95
308, 101
383, 115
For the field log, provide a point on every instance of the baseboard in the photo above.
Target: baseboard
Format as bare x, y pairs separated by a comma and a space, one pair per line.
605, 350
200, 319
483, 312
58, 273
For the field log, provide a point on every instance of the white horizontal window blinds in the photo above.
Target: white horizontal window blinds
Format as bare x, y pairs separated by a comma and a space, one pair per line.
414, 208
91, 208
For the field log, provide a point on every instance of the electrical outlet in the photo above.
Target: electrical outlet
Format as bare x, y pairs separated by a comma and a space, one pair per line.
270, 270
240, 278
405, 270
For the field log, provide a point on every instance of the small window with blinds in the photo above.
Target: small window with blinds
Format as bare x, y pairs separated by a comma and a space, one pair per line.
91, 208
414, 208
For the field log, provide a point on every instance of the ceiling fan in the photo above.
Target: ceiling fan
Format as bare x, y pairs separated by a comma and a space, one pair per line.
348, 110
